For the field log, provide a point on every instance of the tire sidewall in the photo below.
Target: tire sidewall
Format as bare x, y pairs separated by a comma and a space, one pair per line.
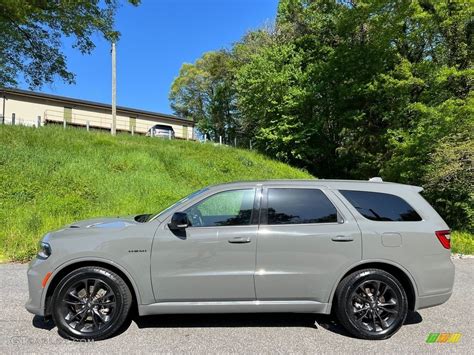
345, 303
98, 273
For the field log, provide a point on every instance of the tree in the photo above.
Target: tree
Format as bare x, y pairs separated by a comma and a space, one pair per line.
204, 91
354, 89
31, 33
270, 92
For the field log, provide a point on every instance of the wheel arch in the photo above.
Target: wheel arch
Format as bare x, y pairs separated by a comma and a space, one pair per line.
402, 275
65, 269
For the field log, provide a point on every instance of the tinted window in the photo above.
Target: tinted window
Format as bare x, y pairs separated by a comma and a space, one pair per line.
164, 127
228, 208
294, 206
381, 207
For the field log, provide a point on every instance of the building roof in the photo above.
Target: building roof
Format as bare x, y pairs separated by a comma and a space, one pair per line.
73, 101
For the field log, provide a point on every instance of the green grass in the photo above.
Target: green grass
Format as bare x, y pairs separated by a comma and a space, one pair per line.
462, 242
50, 177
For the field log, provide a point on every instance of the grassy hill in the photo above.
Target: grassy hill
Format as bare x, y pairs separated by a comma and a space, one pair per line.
51, 176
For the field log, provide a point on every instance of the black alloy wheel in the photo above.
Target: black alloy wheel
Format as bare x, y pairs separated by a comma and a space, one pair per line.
375, 305
91, 303
371, 304
88, 305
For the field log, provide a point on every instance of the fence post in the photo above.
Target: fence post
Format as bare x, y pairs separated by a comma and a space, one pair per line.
13, 119
205, 138
64, 124
235, 142
250, 144
87, 126
133, 130
38, 123
220, 140
169, 135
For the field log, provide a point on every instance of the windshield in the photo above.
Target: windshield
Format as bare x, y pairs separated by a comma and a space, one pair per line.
184, 199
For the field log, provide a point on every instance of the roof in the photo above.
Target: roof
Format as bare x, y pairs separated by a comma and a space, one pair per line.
330, 183
70, 100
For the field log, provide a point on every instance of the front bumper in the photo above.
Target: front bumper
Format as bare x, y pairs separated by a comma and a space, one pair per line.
36, 272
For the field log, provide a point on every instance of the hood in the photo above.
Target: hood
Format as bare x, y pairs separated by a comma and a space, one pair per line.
108, 222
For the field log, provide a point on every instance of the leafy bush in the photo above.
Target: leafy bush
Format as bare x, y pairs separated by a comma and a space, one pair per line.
462, 243
449, 181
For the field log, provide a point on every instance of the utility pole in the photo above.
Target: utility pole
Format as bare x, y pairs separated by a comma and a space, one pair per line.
3, 109
114, 91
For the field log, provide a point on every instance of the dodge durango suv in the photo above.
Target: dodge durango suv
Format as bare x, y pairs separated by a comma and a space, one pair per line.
366, 251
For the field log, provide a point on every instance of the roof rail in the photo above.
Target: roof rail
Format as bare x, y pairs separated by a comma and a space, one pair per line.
376, 179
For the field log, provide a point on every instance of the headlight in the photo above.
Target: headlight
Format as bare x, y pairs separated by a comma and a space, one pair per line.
44, 250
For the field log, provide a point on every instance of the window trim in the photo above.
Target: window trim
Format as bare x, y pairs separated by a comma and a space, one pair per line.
350, 205
264, 207
253, 213
257, 203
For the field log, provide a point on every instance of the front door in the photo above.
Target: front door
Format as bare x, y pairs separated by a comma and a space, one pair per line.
306, 239
214, 258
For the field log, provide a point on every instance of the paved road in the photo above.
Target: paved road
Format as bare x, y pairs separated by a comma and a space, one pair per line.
261, 333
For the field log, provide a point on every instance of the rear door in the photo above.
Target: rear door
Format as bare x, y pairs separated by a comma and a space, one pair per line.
306, 239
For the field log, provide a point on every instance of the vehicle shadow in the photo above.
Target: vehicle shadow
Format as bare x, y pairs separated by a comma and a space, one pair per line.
43, 323
233, 320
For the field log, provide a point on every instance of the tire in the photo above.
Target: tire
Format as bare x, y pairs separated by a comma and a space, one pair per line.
371, 304
90, 303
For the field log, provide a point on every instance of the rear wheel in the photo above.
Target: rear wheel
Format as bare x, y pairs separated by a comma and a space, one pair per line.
371, 304
91, 303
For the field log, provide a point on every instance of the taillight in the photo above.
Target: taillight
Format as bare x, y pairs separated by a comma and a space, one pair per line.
444, 238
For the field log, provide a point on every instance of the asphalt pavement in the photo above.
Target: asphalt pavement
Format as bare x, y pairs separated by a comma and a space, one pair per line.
21, 332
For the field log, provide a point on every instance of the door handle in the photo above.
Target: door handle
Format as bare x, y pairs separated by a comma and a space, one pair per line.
342, 238
239, 240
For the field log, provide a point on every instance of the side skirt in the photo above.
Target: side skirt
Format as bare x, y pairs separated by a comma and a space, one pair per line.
235, 307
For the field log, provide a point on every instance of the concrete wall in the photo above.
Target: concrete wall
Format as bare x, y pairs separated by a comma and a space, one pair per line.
27, 109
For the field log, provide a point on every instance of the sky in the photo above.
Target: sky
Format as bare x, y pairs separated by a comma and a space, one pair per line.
157, 37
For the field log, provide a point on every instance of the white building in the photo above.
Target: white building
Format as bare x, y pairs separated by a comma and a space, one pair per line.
29, 108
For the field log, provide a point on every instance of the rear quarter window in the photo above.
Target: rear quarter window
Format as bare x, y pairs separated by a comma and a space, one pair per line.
378, 206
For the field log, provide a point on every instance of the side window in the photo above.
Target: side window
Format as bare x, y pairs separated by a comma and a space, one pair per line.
297, 206
378, 206
228, 208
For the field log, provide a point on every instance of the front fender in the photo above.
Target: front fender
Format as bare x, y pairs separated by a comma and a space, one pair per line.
82, 261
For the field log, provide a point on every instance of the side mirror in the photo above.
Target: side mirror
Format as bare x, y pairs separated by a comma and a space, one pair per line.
179, 220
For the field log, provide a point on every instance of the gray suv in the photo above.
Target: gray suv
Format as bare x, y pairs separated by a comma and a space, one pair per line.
368, 251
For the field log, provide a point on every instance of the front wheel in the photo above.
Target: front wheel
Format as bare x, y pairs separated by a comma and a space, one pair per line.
371, 304
91, 303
